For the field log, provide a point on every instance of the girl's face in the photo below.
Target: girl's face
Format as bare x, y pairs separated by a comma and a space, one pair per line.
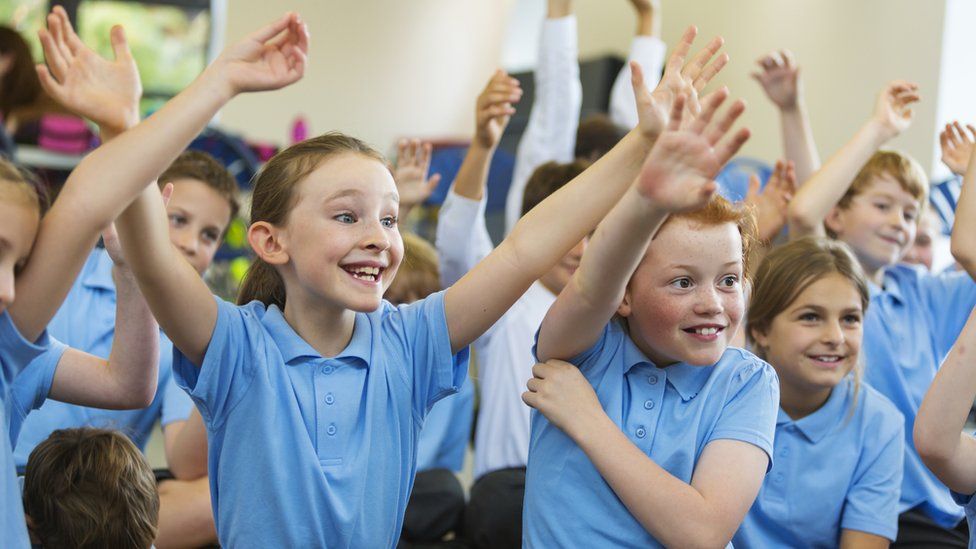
814, 342
17, 232
341, 237
684, 302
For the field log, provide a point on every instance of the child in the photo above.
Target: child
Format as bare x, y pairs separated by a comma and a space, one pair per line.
632, 447
436, 503
90, 488
839, 444
871, 201
501, 446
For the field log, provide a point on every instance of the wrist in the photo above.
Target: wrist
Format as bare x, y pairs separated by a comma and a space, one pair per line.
879, 132
110, 130
216, 83
588, 428
559, 9
645, 23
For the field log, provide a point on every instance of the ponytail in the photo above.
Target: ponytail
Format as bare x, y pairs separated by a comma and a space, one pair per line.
262, 283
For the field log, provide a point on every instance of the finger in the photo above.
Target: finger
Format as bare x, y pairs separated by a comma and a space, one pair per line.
972, 132
677, 59
710, 71
766, 62
698, 62
540, 370
71, 39
52, 55
951, 136
711, 104
427, 151
944, 141
957, 129
790, 178
728, 148
530, 399
534, 384
302, 37
167, 193
273, 29
432, 183
50, 85
56, 26
715, 132
401, 153
753, 192
120, 46
418, 154
677, 111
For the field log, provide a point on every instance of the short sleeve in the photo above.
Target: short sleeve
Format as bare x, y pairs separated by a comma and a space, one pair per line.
749, 414
871, 504
16, 352
437, 372
238, 346
588, 359
949, 298
32, 386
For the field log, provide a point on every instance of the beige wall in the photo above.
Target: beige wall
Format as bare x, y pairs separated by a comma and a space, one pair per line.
381, 69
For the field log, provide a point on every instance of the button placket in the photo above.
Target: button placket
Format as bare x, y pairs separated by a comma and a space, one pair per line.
328, 415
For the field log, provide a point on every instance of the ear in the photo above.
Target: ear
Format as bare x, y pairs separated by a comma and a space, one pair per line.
835, 220
265, 240
625, 306
760, 338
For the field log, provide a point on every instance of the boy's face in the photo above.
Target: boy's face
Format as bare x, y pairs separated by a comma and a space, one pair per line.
684, 302
558, 276
879, 224
198, 217
17, 232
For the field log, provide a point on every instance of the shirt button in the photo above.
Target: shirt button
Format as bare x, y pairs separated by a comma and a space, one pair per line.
327, 369
652, 379
329, 398
331, 430
779, 477
641, 432
648, 404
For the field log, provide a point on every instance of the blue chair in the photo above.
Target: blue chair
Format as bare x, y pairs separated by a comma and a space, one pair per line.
733, 180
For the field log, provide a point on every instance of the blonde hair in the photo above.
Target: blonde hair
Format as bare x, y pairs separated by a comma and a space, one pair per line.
790, 269
896, 165
273, 199
419, 273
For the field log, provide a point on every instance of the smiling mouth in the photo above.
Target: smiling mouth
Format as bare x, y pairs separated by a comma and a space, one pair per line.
827, 361
364, 273
704, 333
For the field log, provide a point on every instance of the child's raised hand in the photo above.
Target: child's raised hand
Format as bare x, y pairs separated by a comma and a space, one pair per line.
679, 172
772, 202
561, 393
688, 80
892, 110
957, 147
779, 78
106, 92
270, 58
413, 162
494, 108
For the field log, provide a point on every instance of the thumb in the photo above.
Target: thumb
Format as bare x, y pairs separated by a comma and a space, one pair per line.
120, 46
432, 183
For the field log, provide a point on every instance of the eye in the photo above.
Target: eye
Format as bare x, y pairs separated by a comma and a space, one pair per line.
729, 281
177, 220
809, 317
390, 221
345, 218
852, 320
911, 216
881, 206
682, 283
211, 236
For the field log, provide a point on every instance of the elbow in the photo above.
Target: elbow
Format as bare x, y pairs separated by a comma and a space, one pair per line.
142, 397
706, 538
185, 469
928, 445
799, 218
962, 252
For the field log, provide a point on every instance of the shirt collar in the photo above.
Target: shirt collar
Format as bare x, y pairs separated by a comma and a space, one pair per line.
293, 347
816, 425
688, 380
99, 274
892, 287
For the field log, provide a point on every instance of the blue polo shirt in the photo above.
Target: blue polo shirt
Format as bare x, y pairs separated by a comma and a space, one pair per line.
446, 431
308, 451
16, 354
86, 321
909, 328
670, 413
836, 469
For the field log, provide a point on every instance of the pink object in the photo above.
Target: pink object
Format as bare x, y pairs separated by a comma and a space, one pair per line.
64, 134
299, 130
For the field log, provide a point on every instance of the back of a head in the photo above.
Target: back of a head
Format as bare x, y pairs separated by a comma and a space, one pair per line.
274, 197
907, 172
19, 86
202, 167
547, 179
595, 136
90, 488
419, 273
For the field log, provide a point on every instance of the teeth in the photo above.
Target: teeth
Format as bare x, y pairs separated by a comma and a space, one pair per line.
706, 331
364, 276
364, 270
827, 358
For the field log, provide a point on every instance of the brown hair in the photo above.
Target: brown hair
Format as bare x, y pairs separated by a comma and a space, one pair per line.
23, 185
90, 488
419, 274
718, 211
20, 86
896, 165
273, 199
204, 168
595, 136
790, 269
547, 179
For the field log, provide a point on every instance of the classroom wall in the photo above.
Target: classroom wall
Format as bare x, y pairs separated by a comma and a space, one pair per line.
383, 69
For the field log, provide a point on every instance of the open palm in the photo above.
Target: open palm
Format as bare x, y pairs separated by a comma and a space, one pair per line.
270, 58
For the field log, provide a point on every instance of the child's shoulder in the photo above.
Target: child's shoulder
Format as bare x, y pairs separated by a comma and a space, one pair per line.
877, 412
741, 365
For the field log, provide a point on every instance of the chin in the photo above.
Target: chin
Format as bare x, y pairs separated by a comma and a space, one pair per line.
703, 357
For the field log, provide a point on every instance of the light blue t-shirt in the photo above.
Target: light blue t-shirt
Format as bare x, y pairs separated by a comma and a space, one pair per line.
446, 431
670, 413
836, 469
307, 451
16, 354
86, 321
908, 330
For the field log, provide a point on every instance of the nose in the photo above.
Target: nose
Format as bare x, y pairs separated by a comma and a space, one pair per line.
709, 303
832, 334
6, 290
187, 242
376, 237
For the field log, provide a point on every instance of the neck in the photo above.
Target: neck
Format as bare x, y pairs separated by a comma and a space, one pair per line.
326, 328
876, 276
799, 402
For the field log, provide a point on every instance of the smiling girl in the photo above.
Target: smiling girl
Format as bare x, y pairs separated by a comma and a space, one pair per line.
839, 443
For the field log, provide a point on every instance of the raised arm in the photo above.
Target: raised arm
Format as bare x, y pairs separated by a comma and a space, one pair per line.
816, 197
106, 92
410, 174
647, 50
677, 176
271, 58
772, 202
779, 77
941, 419
547, 233
963, 243
957, 147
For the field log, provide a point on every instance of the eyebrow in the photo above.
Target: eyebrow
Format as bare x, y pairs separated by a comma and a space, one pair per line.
392, 195
733, 263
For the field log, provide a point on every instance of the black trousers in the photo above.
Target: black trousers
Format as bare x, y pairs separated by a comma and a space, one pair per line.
435, 508
917, 531
494, 516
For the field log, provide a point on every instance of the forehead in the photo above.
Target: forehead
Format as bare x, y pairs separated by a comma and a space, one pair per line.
831, 291
886, 186
349, 174
683, 242
201, 199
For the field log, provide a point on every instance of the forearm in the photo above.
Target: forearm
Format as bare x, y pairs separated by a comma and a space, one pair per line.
187, 455
473, 173
594, 293
825, 188
963, 243
798, 142
134, 359
854, 539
